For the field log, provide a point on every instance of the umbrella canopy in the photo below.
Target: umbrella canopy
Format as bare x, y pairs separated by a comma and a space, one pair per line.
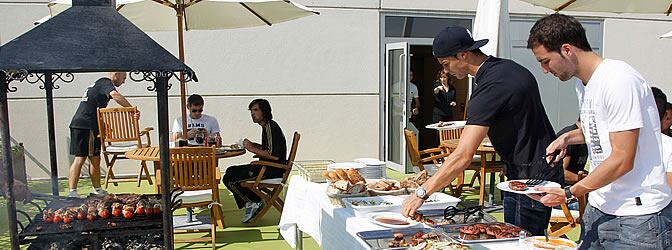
87, 39
667, 35
164, 15
159, 15
614, 6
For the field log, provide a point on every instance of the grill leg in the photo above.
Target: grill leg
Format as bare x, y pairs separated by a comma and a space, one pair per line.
190, 217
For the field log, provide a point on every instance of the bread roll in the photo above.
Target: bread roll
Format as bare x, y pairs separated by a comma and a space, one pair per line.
342, 175
354, 177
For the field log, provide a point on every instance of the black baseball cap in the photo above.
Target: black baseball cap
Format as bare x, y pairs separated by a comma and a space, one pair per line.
455, 39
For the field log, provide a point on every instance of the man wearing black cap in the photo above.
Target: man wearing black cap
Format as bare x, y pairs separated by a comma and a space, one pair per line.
506, 106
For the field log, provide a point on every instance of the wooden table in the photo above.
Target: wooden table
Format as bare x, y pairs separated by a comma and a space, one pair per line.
152, 154
489, 164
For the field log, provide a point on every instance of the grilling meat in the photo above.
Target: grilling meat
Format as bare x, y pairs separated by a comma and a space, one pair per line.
489, 231
517, 185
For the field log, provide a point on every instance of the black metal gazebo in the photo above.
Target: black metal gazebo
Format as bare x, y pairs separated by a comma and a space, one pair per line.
91, 36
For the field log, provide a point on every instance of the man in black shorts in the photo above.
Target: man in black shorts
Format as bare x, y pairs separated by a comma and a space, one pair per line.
273, 148
506, 106
84, 139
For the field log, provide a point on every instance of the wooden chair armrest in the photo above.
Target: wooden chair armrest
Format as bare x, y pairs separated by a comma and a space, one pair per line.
568, 214
265, 158
269, 164
146, 132
434, 157
431, 150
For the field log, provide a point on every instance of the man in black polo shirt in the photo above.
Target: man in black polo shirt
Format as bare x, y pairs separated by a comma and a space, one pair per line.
84, 139
506, 106
273, 148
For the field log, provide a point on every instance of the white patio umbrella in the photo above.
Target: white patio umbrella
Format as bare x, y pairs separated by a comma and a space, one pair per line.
667, 35
180, 15
614, 6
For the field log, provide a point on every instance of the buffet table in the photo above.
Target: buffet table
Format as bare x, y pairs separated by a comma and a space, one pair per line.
308, 209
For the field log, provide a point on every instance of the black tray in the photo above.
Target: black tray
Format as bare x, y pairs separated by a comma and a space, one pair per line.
453, 231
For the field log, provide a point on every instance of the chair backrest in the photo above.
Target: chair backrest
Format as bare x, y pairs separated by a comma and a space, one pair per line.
193, 168
292, 155
412, 147
583, 200
118, 125
449, 134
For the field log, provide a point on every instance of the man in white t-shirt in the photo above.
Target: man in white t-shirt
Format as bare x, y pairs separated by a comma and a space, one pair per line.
629, 202
196, 121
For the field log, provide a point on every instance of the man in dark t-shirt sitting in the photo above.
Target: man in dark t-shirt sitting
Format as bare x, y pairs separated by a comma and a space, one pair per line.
506, 106
84, 139
273, 148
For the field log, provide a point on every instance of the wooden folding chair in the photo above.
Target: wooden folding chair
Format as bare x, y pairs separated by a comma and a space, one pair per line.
269, 189
120, 133
194, 170
564, 220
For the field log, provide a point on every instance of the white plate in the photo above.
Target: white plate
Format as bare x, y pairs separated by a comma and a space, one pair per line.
504, 186
436, 200
230, 148
370, 161
346, 165
396, 216
447, 125
487, 144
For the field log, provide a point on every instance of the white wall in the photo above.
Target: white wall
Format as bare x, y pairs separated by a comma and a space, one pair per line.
319, 73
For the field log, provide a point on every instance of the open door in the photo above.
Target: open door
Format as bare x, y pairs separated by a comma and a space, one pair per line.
396, 77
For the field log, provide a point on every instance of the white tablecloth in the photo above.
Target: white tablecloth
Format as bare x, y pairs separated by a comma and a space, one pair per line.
308, 207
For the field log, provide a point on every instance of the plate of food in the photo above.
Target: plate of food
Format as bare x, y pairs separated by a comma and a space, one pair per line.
385, 187
232, 147
520, 186
483, 232
540, 242
392, 220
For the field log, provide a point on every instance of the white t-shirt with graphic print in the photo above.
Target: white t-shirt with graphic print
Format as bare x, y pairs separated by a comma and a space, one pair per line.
207, 122
617, 98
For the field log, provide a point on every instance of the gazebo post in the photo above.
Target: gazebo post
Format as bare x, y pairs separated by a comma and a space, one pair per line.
161, 86
7, 160
48, 87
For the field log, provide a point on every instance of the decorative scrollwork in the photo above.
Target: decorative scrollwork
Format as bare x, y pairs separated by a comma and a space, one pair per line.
63, 77
153, 75
14, 75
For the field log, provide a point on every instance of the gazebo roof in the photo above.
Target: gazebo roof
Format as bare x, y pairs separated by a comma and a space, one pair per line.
91, 36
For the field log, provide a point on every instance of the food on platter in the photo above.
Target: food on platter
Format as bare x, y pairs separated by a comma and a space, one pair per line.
441, 124
384, 185
415, 181
539, 242
416, 239
391, 221
489, 231
345, 181
102, 207
517, 185
364, 203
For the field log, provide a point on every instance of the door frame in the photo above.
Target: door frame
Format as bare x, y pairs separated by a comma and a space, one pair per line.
403, 81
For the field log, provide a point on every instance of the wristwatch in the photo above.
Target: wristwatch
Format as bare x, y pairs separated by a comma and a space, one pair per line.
421, 193
569, 197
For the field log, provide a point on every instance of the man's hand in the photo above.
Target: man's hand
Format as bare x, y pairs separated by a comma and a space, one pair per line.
559, 145
248, 144
191, 133
411, 205
552, 196
137, 114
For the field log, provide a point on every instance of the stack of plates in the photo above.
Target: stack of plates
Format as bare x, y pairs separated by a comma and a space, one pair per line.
375, 169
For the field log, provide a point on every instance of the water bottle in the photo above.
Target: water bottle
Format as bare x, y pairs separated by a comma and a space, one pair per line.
521, 239
218, 141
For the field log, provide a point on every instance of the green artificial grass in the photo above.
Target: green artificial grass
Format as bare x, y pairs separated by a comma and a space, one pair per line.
236, 235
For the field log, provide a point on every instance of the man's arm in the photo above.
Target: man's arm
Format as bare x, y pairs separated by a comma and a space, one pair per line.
620, 162
119, 98
258, 150
560, 144
455, 164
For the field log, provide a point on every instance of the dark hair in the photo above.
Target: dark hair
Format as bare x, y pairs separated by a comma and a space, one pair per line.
195, 99
477, 51
661, 100
554, 30
265, 107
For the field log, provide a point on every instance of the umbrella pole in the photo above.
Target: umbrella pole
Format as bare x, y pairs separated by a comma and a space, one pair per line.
6, 149
183, 93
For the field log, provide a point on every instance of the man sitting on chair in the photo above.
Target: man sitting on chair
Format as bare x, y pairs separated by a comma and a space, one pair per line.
273, 148
195, 121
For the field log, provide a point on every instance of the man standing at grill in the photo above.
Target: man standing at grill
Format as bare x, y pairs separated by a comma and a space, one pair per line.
506, 106
273, 148
84, 139
629, 203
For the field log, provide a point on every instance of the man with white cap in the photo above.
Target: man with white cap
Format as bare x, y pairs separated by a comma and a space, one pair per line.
506, 106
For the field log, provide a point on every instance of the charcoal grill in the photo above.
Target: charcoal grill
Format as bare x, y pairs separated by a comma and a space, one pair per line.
88, 233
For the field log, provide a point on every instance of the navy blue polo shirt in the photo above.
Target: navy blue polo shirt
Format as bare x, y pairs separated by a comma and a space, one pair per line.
506, 99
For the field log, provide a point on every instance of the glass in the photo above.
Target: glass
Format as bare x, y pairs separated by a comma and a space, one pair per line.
212, 140
420, 27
